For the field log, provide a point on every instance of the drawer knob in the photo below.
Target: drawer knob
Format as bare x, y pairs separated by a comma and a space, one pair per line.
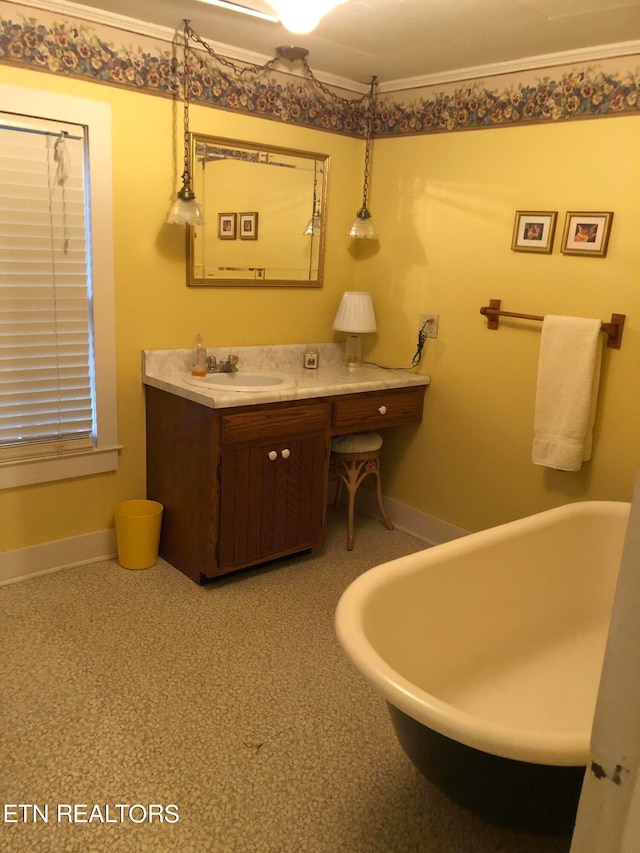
383, 410
286, 453
273, 455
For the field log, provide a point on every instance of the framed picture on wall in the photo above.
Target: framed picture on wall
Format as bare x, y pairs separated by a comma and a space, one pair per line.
533, 231
586, 233
248, 226
227, 226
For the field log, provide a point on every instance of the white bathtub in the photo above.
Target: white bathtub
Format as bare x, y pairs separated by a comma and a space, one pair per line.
494, 641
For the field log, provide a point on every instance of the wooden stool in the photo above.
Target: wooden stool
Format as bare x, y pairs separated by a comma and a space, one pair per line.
353, 457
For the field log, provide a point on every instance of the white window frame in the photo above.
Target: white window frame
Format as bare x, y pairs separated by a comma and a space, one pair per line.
96, 117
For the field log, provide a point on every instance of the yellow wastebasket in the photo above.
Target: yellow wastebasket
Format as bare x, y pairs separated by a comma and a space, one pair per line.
138, 533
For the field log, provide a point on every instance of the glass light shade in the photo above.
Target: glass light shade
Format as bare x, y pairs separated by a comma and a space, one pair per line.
313, 226
302, 16
362, 227
185, 212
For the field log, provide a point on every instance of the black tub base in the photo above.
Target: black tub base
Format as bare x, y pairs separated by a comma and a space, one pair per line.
529, 797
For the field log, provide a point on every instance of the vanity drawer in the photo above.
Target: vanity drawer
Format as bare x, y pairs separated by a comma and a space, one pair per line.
275, 423
375, 410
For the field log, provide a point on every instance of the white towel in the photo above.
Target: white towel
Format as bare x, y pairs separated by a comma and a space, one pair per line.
567, 391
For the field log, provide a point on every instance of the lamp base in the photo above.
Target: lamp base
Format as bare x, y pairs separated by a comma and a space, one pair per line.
353, 352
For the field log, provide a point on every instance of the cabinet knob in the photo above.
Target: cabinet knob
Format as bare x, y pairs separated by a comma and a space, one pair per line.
273, 455
383, 410
286, 453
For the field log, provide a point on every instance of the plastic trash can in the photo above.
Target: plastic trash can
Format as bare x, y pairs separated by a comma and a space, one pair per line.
138, 533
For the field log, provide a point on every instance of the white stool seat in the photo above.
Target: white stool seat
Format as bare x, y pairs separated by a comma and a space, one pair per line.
357, 442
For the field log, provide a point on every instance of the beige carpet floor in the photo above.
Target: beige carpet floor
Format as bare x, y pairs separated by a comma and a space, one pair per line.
233, 702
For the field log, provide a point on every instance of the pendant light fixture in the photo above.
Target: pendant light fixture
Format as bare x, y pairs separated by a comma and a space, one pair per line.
185, 210
302, 16
362, 226
314, 225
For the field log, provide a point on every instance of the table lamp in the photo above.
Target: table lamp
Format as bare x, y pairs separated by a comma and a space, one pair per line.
355, 316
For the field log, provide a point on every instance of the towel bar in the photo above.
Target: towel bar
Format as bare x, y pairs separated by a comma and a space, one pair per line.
612, 329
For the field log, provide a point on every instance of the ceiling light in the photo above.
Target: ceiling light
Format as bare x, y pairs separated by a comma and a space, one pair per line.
245, 10
302, 17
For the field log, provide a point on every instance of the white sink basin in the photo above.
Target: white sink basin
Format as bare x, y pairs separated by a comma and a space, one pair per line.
243, 380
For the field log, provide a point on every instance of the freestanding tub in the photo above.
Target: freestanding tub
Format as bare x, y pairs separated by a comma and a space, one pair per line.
488, 651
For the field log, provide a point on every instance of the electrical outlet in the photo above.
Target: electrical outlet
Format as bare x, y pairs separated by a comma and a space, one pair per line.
429, 324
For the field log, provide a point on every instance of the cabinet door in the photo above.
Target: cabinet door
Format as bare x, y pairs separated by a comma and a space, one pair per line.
272, 497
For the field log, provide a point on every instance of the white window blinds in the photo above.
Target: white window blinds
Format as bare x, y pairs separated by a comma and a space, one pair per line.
46, 362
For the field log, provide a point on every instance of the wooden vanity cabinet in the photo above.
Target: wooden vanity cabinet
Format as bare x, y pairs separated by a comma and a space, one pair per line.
239, 486
244, 485
273, 476
182, 438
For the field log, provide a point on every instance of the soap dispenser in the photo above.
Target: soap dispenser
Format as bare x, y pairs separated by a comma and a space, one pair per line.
199, 361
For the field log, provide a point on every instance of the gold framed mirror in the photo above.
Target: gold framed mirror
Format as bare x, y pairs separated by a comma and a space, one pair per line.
264, 210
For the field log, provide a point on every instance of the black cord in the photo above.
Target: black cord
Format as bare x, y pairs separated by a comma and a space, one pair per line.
422, 337
416, 361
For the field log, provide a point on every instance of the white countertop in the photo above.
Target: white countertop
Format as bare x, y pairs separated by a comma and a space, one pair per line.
169, 369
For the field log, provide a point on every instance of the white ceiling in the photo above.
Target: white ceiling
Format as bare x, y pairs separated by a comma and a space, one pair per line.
399, 40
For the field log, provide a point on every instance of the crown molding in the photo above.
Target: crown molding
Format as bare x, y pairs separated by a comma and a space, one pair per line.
529, 63
133, 25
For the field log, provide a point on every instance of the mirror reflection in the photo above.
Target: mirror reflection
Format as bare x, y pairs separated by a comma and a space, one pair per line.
264, 211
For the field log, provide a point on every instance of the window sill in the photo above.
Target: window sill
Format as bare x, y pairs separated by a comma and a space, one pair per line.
49, 469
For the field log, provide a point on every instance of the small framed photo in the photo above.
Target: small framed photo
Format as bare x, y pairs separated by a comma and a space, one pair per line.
227, 226
534, 230
248, 226
586, 233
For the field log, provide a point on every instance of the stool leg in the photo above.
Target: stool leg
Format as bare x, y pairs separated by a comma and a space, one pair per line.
351, 471
387, 521
352, 488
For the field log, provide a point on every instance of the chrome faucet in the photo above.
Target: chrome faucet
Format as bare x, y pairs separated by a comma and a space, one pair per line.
228, 366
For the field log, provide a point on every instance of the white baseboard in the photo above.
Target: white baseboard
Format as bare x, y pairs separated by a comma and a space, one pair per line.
24, 563
425, 527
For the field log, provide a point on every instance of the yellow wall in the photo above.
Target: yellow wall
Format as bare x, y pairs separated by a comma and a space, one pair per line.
444, 207
154, 308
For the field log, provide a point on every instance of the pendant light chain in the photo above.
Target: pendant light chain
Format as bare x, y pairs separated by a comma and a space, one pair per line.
238, 70
186, 175
368, 140
185, 210
338, 99
288, 53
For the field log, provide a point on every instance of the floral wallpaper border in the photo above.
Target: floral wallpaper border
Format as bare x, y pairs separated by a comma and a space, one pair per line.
558, 94
76, 48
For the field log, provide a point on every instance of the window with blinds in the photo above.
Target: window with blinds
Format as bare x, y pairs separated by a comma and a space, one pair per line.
47, 394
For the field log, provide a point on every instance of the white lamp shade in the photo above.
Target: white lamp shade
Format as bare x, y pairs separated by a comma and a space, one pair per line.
355, 313
302, 16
